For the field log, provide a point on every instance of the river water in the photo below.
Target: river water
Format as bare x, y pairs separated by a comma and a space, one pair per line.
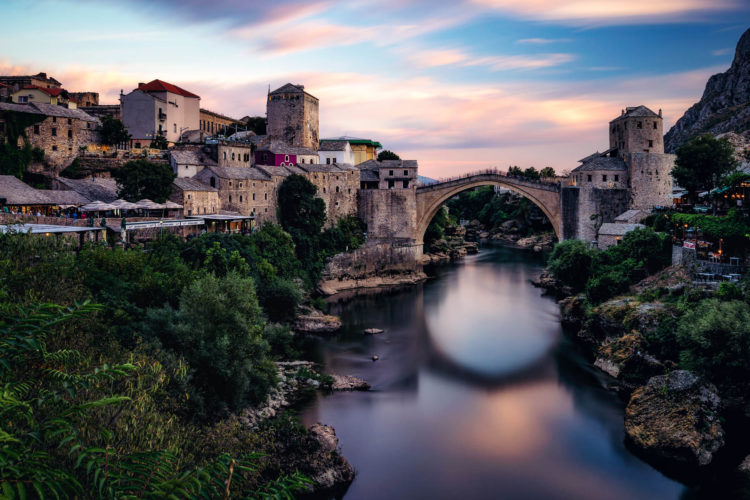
477, 394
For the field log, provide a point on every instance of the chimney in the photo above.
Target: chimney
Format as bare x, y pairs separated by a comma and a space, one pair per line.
622, 112
141, 84
660, 112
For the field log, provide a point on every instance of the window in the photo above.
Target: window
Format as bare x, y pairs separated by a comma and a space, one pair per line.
190, 197
328, 161
175, 128
230, 183
54, 132
654, 125
286, 157
36, 129
266, 210
334, 160
337, 189
253, 196
70, 134
406, 173
138, 145
88, 124
390, 172
390, 184
54, 119
54, 148
588, 177
213, 182
230, 198
22, 99
232, 156
639, 125
324, 190
265, 196
225, 155
337, 203
240, 184
617, 178
190, 212
651, 143
240, 198
604, 178
70, 121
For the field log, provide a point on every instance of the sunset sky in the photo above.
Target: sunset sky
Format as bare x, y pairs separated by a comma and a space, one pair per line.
458, 85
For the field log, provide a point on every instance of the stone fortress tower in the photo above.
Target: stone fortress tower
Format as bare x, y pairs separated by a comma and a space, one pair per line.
292, 116
633, 174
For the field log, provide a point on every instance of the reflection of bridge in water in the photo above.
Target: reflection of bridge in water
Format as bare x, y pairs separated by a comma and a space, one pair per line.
545, 195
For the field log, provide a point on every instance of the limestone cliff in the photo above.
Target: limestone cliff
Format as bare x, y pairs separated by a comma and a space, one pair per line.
724, 107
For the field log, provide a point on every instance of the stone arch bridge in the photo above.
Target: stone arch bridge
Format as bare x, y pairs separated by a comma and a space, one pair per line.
545, 195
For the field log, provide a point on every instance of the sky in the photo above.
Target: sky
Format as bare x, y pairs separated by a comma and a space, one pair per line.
458, 85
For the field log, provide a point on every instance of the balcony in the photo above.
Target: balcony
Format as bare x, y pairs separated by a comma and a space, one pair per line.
162, 116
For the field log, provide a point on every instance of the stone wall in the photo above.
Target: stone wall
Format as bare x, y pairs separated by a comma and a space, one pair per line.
61, 139
234, 155
569, 199
196, 202
85, 98
293, 118
388, 213
338, 189
605, 203
650, 179
637, 134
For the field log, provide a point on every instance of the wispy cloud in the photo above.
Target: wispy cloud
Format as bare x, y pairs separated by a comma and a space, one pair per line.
429, 58
542, 41
582, 12
722, 52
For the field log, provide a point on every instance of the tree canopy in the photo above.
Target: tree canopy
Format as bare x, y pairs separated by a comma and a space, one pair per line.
140, 179
113, 131
702, 164
388, 155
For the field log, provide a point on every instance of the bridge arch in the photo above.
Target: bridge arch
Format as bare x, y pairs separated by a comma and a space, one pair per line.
430, 198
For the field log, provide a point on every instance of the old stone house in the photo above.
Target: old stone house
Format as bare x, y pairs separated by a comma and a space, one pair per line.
39, 80
31, 94
337, 186
247, 191
60, 132
234, 154
195, 197
85, 98
212, 123
187, 161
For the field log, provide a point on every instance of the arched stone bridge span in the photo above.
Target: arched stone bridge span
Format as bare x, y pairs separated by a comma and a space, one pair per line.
545, 195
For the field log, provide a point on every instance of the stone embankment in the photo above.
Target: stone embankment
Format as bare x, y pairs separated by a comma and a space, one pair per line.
672, 416
509, 233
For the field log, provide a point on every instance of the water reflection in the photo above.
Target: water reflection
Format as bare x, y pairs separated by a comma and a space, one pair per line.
477, 395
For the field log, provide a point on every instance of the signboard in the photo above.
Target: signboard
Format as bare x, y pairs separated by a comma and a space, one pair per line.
688, 244
130, 226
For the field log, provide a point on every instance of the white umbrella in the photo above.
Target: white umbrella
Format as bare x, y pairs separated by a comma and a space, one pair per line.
170, 205
124, 204
148, 204
97, 206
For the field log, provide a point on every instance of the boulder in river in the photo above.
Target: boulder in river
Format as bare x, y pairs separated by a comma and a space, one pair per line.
317, 323
625, 358
348, 383
372, 331
674, 418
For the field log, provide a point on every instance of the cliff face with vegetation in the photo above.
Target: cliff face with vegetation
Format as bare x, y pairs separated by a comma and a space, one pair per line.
724, 106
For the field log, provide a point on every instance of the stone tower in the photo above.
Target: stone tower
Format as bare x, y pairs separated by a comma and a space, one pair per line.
292, 116
637, 130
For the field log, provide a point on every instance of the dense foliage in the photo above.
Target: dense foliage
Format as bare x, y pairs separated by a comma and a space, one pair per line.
388, 155
159, 142
702, 163
113, 131
15, 160
604, 274
139, 179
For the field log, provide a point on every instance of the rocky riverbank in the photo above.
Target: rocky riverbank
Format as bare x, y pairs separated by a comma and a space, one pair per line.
510, 233
673, 418
313, 451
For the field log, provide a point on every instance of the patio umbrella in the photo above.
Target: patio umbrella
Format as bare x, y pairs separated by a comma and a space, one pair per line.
148, 204
97, 206
124, 204
171, 205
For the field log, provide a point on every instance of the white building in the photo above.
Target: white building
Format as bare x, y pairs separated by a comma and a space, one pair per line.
159, 108
334, 152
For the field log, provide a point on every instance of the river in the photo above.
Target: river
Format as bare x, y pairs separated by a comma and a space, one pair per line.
476, 394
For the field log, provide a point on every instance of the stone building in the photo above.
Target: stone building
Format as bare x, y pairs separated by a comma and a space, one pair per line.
102, 110
5, 91
234, 154
247, 191
196, 197
389, 174
212, 123
38, 80
85, 98
634, 173
159, 108
292, 116
60, 132
337, 186
187, 161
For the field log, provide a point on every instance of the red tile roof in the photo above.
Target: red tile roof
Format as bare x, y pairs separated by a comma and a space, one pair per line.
51, 92
161, 86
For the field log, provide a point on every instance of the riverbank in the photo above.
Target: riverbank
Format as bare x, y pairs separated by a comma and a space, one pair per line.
685, 423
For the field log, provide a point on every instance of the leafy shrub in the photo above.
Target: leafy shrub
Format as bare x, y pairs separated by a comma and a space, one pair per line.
606, 286
570, 263
280, 299
728, 291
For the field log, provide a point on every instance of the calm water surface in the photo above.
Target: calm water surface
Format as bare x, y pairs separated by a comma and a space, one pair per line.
477, 394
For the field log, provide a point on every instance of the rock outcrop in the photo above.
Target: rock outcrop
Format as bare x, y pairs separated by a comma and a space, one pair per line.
348, 383
724, 106
330, 469
674, 419
317, 323
625, 358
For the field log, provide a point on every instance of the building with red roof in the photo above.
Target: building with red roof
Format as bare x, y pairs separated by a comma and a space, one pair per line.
159, 108
30, 94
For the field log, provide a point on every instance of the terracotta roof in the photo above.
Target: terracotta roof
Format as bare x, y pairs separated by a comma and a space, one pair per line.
192, 184
162, 86
50, 92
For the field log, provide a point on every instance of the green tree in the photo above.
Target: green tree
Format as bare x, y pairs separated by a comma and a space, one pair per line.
436, 229
570, 263
113, 131
220, 335
388, 155
702, 163
714, 337
159, 142
302, 215
15, 160
547, 173
257, 124
140, 179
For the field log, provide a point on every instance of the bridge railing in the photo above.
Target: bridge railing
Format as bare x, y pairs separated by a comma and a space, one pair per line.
553, 182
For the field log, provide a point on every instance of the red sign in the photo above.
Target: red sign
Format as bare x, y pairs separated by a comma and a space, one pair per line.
688, 244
